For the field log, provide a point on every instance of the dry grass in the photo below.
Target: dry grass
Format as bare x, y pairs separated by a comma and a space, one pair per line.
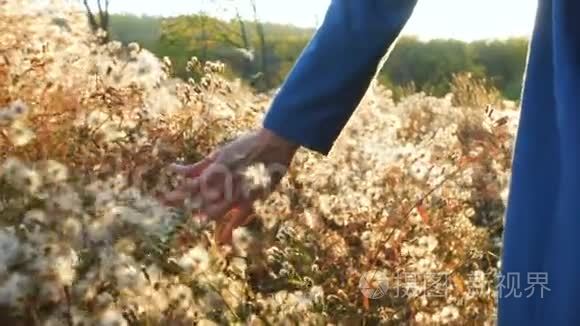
411, 192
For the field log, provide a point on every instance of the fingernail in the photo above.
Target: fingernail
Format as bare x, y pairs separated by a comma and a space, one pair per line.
201, 218
175, 166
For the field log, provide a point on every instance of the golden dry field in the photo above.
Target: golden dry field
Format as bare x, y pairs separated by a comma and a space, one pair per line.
400, 225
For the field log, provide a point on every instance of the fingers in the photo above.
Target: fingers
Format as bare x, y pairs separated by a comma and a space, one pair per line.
223, 193
213, 191
217, 210
193, 170
238, 216
175, 198
188, 189
242, 215
216, 183
217, 188
214, 194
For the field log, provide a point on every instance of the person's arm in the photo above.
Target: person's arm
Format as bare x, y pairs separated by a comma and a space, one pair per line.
335, 70
320, 94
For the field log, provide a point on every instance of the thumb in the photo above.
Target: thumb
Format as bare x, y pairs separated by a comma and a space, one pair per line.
193, 170
240, 215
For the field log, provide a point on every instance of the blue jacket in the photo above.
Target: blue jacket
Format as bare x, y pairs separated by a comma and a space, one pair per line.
543, 215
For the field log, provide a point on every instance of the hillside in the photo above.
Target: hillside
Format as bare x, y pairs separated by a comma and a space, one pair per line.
427, 66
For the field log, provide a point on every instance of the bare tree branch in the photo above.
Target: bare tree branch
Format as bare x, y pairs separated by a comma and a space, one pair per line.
243, 31
91, 16
103, 21
263, 44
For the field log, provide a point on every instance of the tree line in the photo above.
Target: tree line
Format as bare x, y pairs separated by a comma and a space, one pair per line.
263, 53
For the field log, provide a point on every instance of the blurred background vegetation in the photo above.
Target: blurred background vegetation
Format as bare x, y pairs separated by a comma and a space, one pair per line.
261, 54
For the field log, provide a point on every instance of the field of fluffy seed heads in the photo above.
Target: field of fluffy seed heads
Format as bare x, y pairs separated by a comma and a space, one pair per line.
410, 202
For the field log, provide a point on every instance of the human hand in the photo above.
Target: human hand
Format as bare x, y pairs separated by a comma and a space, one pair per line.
225, 185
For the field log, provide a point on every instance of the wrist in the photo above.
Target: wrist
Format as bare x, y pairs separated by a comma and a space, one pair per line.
276, 143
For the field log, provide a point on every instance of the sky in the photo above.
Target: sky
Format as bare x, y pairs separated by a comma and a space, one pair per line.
459, 19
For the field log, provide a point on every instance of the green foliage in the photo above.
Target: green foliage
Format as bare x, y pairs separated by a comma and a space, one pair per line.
431, 65
145, 30
504, 63
413, 64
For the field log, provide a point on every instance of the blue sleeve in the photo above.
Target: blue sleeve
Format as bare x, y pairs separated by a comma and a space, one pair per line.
334, 71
